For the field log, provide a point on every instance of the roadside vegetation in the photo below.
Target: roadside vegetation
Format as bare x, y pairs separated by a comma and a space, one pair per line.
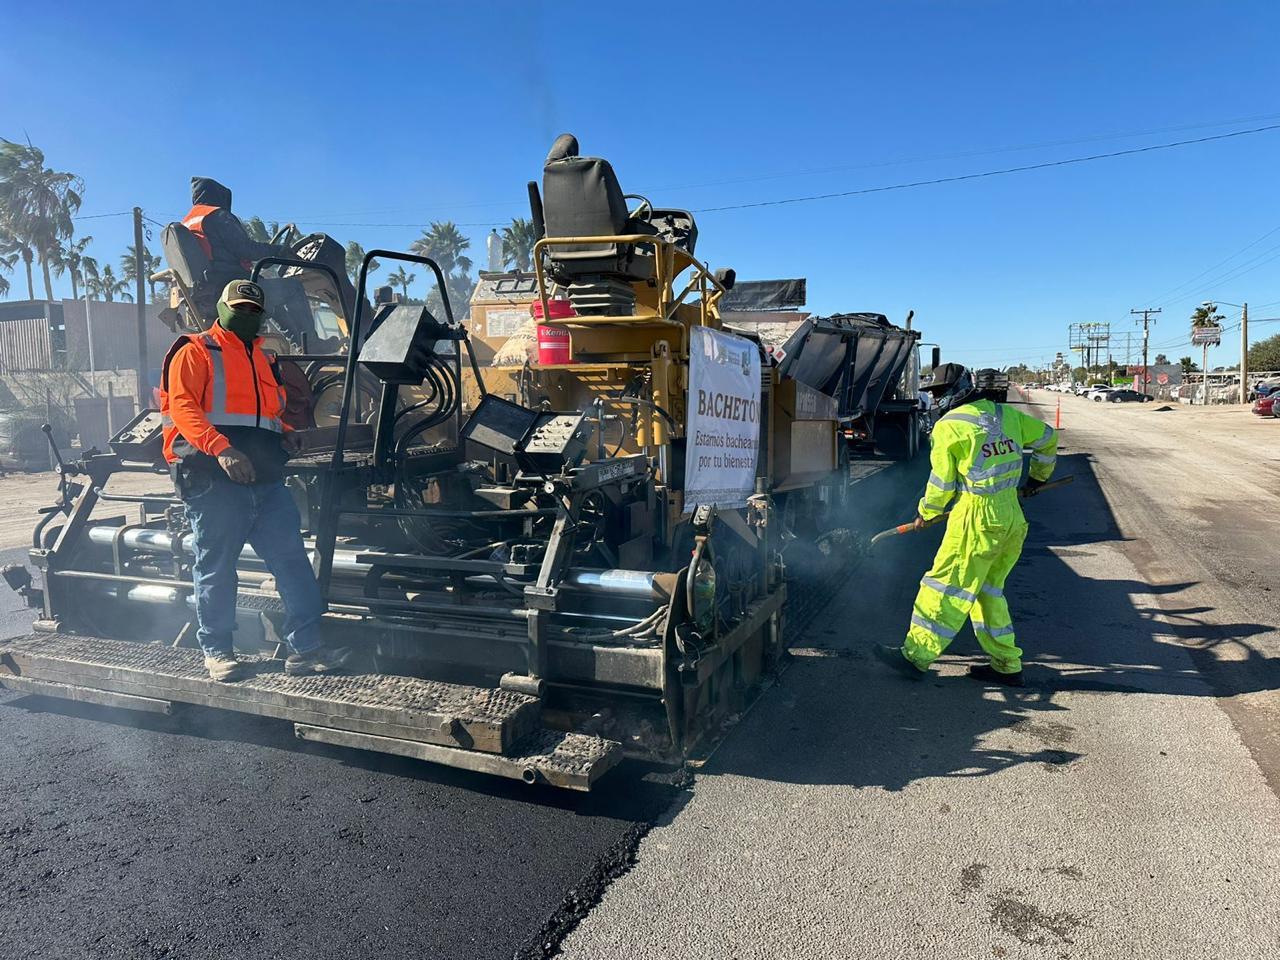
38, 208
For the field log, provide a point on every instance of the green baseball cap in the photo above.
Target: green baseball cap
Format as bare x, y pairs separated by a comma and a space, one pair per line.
243, 293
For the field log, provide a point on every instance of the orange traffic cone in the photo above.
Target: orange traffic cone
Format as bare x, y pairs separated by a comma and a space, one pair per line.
1057, 417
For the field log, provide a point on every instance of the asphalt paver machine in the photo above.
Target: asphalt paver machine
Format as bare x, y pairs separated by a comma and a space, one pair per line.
526, 590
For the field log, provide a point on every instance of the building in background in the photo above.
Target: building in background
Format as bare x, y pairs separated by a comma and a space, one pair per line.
49, 373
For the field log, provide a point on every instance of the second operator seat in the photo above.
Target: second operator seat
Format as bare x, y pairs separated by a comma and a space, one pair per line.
582, 198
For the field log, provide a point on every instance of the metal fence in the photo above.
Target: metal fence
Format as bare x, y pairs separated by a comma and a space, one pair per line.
1221, 387
84, 411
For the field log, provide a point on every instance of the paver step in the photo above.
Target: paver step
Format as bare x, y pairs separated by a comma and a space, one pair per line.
483, 719
481, 729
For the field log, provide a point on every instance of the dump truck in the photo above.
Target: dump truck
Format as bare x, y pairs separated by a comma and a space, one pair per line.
542, 567
992, 381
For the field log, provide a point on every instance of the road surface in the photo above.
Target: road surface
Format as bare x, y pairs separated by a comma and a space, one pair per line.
1122, 804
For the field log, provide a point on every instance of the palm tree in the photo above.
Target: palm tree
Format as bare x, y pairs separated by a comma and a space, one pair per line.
39, 202
264, 231
402, 280
355, 257
129, 267
444, 244
257, 229
7, 260
1206, 315
70, 258
106, 286
13, 249
460, 286
517, 244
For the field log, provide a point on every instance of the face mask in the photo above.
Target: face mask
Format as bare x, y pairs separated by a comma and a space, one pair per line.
245, 324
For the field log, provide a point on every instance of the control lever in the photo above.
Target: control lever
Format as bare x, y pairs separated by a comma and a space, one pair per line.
67, 491
53, 445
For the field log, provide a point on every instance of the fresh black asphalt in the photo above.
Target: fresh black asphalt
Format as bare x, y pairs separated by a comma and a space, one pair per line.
216, 835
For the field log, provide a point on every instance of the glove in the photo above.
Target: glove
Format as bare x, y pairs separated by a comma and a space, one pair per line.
917, 523
236, 465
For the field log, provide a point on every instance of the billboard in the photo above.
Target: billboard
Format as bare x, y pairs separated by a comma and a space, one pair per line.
1209, 336
1158, 374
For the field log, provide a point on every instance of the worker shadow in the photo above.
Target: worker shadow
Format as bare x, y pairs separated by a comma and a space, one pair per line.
1086, 619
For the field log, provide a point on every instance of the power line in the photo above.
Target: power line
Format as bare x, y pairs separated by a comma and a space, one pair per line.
99, 216
958, 178
420, 225
1261, 260
1187, 283
900, 161
962, 155
865, 190
993, 173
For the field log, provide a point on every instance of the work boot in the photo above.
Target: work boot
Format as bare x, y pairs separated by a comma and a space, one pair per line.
892, 658
222, 666
319, 660
989, 674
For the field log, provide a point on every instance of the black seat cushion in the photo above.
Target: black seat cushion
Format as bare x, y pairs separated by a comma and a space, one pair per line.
582, 198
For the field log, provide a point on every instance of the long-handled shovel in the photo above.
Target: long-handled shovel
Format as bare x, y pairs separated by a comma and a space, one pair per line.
911, 527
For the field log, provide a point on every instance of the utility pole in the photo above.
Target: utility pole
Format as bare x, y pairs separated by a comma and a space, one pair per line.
88, 330
1244, 353
1204, 366
1146, 338
140, 268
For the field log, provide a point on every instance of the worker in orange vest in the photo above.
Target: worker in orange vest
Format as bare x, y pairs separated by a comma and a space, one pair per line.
224, 239
222, 404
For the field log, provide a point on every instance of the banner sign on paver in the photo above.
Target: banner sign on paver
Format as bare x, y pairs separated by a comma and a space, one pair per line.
724, 420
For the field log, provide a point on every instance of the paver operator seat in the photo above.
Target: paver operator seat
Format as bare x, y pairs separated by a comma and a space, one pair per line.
186, 258
582, 198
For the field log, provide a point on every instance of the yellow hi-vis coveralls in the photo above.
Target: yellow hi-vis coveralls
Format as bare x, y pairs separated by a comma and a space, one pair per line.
976, 452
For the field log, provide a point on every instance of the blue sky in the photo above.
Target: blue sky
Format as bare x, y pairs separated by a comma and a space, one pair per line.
360, 119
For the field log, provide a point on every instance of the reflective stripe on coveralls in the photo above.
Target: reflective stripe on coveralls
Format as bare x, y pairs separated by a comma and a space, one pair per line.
976, 450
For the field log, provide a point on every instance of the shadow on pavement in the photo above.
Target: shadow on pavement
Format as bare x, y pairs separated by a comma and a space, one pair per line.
840, 717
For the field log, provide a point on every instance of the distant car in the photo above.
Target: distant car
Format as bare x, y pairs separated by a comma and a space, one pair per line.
23, 444
1125, 396
1097, 392
1264, 388
1265, 406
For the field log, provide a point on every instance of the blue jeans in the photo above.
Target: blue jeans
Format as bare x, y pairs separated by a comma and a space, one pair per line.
224, 517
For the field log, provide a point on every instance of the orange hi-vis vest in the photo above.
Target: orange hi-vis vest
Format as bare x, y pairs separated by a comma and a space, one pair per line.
194, 221
214, 379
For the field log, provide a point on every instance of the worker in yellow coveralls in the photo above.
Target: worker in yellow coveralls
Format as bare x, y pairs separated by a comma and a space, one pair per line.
976, 460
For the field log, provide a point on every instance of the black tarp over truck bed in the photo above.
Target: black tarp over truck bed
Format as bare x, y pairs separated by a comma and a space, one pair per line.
858, 358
